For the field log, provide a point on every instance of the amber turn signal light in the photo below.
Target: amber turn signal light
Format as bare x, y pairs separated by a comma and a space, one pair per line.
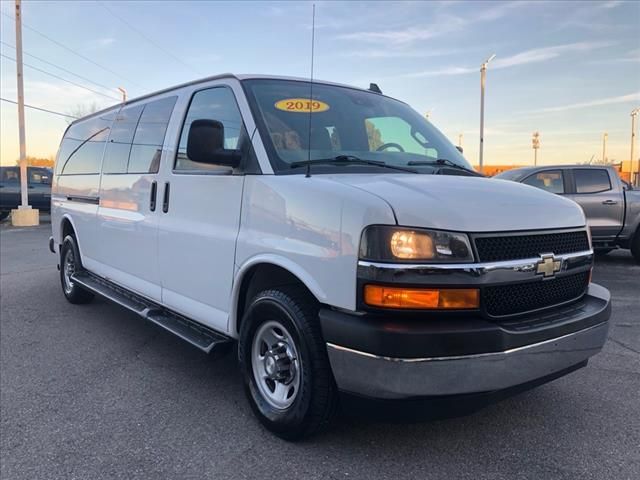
421, 298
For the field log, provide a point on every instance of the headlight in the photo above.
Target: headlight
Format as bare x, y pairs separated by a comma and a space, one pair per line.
399, 244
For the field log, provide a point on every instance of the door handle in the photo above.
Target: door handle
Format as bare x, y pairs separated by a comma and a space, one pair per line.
609, 202
165, 199
154, 192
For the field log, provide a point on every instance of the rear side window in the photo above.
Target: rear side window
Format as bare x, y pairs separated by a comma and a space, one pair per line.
83, 145
10, 175
549, 180
135, 145
591, 180
39, 175
116, 156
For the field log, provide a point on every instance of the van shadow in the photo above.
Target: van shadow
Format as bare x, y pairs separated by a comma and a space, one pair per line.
212, 387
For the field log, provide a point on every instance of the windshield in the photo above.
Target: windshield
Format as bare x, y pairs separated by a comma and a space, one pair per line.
346, 123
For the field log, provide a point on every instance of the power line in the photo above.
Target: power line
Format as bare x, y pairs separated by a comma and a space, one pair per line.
152, 42
38, 108
60, 78
73, 51
59, 67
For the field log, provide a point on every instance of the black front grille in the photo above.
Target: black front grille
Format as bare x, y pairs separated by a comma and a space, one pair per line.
517, 298
513, 247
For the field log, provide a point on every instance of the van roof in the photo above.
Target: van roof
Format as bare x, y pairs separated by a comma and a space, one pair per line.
208, 79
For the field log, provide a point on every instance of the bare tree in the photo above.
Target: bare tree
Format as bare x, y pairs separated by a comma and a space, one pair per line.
82, 110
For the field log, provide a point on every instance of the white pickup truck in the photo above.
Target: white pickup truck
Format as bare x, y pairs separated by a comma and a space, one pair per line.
338, 238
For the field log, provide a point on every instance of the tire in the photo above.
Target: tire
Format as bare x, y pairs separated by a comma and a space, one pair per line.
286, 320
70, 263
635, 246
4, 215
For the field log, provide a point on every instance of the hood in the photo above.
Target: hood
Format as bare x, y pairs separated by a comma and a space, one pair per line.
468, 204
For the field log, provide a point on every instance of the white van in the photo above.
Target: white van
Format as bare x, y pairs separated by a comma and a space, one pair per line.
343, 242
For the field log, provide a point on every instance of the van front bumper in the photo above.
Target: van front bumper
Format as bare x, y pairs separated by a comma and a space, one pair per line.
401, 357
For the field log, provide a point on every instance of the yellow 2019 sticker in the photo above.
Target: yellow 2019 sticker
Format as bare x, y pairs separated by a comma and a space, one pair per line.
301, 105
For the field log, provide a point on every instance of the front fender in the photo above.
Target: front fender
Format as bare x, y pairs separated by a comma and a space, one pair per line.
271, 259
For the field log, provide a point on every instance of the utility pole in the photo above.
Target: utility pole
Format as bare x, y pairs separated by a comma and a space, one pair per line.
535, 144
24, 216
124, 94
483, 78
634, 114
604, 147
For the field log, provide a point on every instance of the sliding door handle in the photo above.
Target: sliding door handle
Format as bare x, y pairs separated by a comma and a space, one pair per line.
154, 193
165, 199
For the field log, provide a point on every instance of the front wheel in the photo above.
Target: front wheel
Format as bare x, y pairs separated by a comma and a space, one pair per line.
69, 264
284, 363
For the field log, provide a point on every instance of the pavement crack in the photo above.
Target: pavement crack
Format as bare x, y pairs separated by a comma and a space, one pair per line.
627, 347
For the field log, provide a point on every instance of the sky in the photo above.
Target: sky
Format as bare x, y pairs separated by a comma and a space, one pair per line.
570, 70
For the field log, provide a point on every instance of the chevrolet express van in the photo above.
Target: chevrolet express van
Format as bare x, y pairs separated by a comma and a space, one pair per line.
338, 238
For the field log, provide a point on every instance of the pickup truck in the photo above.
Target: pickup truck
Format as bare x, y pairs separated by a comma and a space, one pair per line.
612, 206
39, 185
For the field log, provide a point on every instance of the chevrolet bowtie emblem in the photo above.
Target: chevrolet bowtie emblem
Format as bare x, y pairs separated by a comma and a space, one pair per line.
548, 266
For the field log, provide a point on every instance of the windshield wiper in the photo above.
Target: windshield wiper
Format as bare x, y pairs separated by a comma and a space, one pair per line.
349, 159
444, 161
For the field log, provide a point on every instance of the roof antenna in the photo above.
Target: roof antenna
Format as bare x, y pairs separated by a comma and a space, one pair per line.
313, 33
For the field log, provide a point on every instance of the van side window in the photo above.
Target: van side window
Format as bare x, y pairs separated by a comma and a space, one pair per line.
146, 149
549, 180
83, 145
116, 156
591, 180
219, 104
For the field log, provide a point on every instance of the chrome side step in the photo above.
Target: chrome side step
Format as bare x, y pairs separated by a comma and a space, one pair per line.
193, 332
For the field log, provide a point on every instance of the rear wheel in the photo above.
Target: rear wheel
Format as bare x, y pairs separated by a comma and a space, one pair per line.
3, 215
284, 362
70, 263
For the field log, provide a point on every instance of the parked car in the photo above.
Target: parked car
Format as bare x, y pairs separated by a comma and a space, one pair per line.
39, 189
342, 242
611, 205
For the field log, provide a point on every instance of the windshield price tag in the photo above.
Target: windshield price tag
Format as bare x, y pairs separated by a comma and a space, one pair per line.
301, 105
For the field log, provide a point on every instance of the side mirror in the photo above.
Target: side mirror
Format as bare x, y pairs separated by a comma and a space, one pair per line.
205, 144
459, 148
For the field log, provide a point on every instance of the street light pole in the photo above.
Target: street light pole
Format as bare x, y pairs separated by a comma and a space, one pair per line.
460, 136
535, 143
483, 77
21, 133
604, 147
123, 92
24, 215
634, 114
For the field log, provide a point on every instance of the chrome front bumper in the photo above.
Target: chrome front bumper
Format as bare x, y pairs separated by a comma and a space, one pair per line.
394, 378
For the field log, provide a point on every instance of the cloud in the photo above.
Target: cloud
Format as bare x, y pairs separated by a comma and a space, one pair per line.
611, 4
632, 97
442, 24
105, 42
533, 55
546, 53
400, 53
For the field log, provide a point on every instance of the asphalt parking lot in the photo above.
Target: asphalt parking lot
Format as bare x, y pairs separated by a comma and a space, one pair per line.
93, 392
